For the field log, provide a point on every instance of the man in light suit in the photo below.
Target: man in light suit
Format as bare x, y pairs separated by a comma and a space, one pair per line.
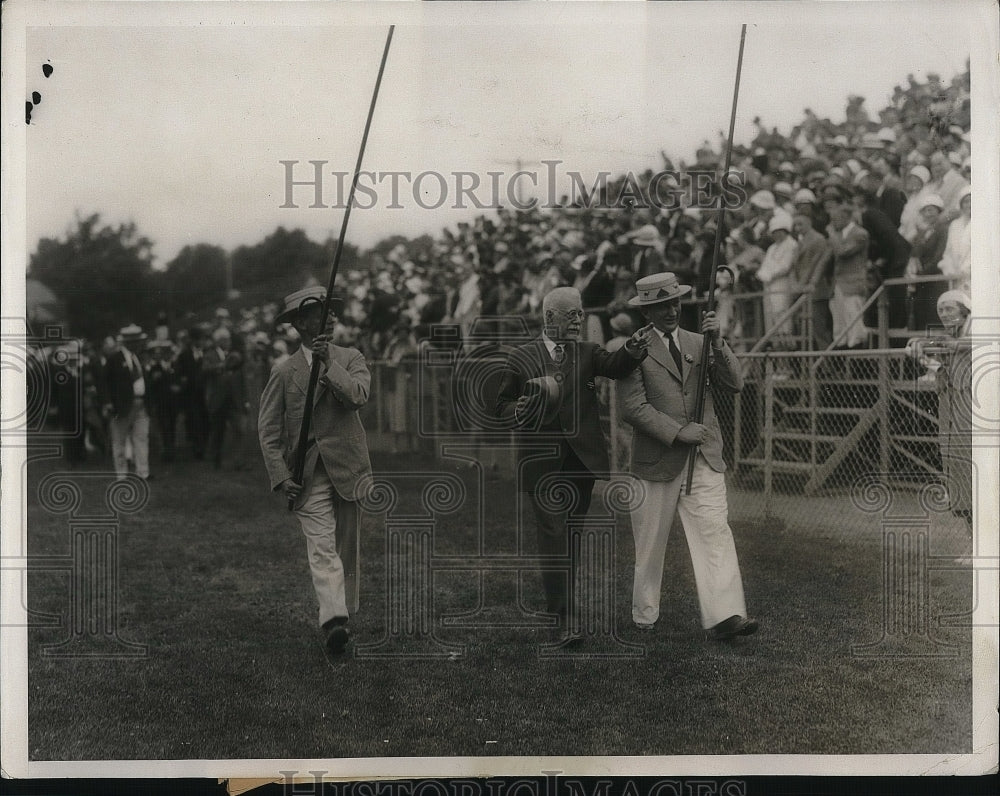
566, 418
337, 466
125, 388
658, 401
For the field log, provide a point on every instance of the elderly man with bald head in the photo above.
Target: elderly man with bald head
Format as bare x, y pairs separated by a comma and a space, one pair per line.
548, 395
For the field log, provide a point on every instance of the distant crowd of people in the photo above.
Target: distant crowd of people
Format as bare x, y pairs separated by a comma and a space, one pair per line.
833, 210
200, 386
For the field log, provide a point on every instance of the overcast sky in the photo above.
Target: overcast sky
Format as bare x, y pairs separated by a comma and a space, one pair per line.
182, 129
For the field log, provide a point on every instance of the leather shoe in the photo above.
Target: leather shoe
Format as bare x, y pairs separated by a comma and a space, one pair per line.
337, 638
732, 627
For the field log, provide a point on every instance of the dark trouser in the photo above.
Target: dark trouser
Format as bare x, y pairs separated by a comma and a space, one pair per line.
925, 297
196, 424
822, 323
166, 421
558, 502
217, 422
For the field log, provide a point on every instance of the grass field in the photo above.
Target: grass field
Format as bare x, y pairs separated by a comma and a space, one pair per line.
213, 580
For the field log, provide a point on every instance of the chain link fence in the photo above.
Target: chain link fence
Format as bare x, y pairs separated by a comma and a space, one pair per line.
806, 440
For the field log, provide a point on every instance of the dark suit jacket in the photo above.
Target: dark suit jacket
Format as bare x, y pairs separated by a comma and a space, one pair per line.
891, 202
224, 382
191, 375
577, 422
118, 380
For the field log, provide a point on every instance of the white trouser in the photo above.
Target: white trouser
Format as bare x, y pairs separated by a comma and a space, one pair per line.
705, 516
131, 428
843, 310
318, 517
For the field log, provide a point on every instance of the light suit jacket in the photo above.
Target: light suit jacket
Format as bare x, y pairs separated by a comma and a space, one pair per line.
658, 402
336, 432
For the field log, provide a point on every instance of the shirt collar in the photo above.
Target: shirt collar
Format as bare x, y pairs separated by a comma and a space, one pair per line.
850, 226
673, 334
550, 344
307, 353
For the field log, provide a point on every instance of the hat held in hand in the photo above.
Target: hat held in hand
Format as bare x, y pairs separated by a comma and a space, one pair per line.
544, 395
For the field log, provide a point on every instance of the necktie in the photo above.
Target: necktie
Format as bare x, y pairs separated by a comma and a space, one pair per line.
559, 354
675, 352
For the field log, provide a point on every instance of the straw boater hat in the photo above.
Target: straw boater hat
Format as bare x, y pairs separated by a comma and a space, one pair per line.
307, 295
544, 392
645, 236
131, 333
658, 288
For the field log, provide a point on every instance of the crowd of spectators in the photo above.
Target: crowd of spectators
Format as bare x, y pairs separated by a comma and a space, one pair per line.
896, 187
833, 209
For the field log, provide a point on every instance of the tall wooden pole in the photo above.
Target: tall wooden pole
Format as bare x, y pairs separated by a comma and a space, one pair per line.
707, 343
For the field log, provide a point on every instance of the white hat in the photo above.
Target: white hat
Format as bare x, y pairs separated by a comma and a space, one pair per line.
764, 200
860, 176
657, 288
960, 298
932, 200
887, 134
780, 221
787, 166
921, 173
955, 158
804, 196
782, 188
854, 166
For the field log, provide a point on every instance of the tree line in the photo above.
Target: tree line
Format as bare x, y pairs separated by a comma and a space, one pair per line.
104, 277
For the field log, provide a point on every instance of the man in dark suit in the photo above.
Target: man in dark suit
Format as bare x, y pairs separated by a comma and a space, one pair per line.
163, 392
658, 401
889, 253
125, 391
548, 394
813, 268
191, 376
225, 391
